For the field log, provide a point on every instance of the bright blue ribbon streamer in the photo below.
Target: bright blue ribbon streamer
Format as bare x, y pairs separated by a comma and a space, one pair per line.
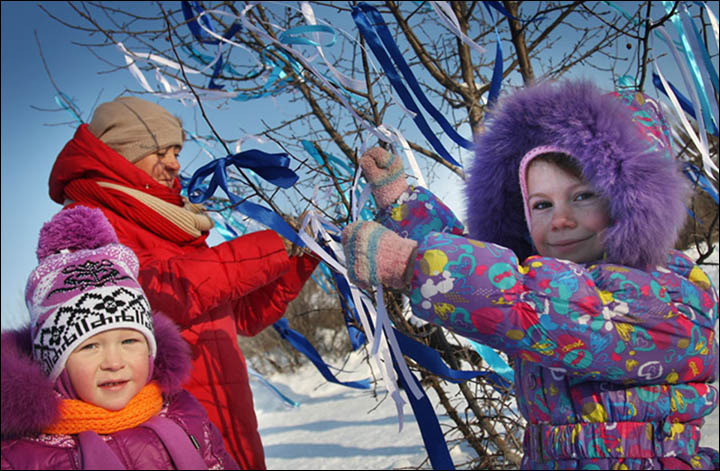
430, 430
431, 360
302, 345
203, 37
271, 167
64, 102
368, 32
496, 80
337, 169
709, 67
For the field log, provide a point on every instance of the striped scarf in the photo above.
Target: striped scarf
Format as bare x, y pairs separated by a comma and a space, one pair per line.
176, 220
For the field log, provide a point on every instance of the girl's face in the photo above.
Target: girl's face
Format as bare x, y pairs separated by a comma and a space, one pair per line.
110, 368
567, 216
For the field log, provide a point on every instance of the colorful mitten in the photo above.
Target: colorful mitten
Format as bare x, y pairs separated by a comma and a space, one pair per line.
377, 255
386, 174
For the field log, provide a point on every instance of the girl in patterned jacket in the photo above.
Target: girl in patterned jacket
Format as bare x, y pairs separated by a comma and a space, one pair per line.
95, 380
574, 205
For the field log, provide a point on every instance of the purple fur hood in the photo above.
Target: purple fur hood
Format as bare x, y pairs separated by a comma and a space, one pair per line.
29, 402
645, 188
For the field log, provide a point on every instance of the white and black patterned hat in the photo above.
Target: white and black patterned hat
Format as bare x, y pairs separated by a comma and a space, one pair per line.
85, 283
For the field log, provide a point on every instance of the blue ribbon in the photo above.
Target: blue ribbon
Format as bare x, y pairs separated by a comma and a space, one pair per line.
271, 167
496, 80
496, 363
687, 50
67, 104
293, 35
302, 345
374, 41
200, 34
357, 336
197, 32
430, 430
431, 360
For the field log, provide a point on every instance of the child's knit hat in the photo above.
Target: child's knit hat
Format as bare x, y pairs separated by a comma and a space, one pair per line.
134, 127
85, 283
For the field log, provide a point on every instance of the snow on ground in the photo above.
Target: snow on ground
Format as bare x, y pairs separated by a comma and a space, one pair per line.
336, 427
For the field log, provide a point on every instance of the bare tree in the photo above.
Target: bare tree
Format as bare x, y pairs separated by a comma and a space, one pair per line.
339, 119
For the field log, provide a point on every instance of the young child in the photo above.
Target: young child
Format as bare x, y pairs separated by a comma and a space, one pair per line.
95, 380
574, 204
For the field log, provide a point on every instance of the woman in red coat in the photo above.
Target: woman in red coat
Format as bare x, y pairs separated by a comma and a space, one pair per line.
125, 163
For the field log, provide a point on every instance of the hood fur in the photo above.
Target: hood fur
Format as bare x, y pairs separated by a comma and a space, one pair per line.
23, 382
646, 190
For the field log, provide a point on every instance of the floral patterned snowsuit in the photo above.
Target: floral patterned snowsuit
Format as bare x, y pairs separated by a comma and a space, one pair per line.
612, 364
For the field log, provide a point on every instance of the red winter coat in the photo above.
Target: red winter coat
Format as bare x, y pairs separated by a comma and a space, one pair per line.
212, 293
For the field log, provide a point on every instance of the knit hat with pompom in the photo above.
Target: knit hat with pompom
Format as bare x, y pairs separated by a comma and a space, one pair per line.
85, 283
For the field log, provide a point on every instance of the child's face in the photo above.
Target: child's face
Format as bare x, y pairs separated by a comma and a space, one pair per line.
567, 216
110, 368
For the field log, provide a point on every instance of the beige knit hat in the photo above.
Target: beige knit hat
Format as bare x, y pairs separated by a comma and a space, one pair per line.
134, 127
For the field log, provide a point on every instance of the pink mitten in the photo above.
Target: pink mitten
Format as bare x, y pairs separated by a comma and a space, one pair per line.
377, 255
386, 174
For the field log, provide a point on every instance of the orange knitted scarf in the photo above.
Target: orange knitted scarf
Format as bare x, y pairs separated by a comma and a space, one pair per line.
78, 416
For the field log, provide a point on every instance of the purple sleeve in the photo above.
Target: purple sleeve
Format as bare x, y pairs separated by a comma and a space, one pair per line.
602, 321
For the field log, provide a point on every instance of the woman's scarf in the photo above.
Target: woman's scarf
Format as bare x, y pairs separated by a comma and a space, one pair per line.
176, 220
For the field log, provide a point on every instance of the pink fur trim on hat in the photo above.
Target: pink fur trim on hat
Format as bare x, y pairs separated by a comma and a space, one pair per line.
524, 163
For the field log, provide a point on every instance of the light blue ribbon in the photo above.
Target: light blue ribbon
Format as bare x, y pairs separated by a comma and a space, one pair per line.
696, 75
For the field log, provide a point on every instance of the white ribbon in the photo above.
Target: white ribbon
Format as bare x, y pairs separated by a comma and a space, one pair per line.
447, 17
398, 138
178, 92
346, 82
